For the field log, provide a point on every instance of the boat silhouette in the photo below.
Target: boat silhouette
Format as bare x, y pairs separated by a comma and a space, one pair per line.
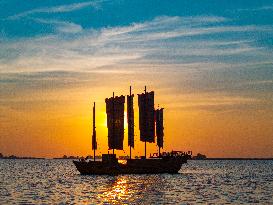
150, 125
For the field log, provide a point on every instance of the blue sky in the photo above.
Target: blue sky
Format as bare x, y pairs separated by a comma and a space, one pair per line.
177, 32
216, 54
231, 40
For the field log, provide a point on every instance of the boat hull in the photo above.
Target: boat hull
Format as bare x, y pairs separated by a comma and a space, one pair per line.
133, 166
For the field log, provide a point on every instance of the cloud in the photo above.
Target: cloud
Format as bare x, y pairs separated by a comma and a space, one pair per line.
164, 40
181, 52
215, 103
61, 26
166, 27
267, 8
263, 8
56, 9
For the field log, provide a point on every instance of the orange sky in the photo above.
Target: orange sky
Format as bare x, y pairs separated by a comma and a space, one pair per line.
210, 68
50, 122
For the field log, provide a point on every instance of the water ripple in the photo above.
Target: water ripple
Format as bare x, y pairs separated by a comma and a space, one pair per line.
58, 182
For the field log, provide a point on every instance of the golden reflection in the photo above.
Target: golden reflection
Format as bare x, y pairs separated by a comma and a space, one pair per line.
117, 192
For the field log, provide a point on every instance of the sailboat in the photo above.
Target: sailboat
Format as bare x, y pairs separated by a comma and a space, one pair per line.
150, 125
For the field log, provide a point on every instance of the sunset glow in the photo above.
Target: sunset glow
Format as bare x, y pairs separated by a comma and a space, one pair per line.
211, 72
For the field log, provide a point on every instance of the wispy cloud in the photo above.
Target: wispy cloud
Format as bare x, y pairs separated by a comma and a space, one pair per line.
206, 69
216, 103
61, 26
181, 52
263, 8
56, 9
162, 40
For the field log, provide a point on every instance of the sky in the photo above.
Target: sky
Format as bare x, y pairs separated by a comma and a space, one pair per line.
209, 62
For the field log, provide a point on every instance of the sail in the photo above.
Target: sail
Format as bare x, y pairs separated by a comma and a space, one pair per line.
94, 140
115, 121
146, 117
94, 136
130, 119
159, 127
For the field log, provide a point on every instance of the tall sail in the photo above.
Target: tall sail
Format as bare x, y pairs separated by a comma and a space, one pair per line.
115, 121
130, 119
94, 136
159, 127
146, 117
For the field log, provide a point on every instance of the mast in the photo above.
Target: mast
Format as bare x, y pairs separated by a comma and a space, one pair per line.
130, 145
130, 120
113, 118
156, 115
159, 128
94, 140
146, 118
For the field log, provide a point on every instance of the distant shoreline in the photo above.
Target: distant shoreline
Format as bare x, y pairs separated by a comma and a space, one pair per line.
22, 158
239, 158
268, 159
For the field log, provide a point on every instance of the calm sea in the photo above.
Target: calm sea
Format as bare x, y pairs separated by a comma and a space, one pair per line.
58, 182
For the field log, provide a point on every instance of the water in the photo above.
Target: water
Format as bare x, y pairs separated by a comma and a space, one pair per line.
58, 182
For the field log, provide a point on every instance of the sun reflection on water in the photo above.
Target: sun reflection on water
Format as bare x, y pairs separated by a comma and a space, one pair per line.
203, 182
117, 192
